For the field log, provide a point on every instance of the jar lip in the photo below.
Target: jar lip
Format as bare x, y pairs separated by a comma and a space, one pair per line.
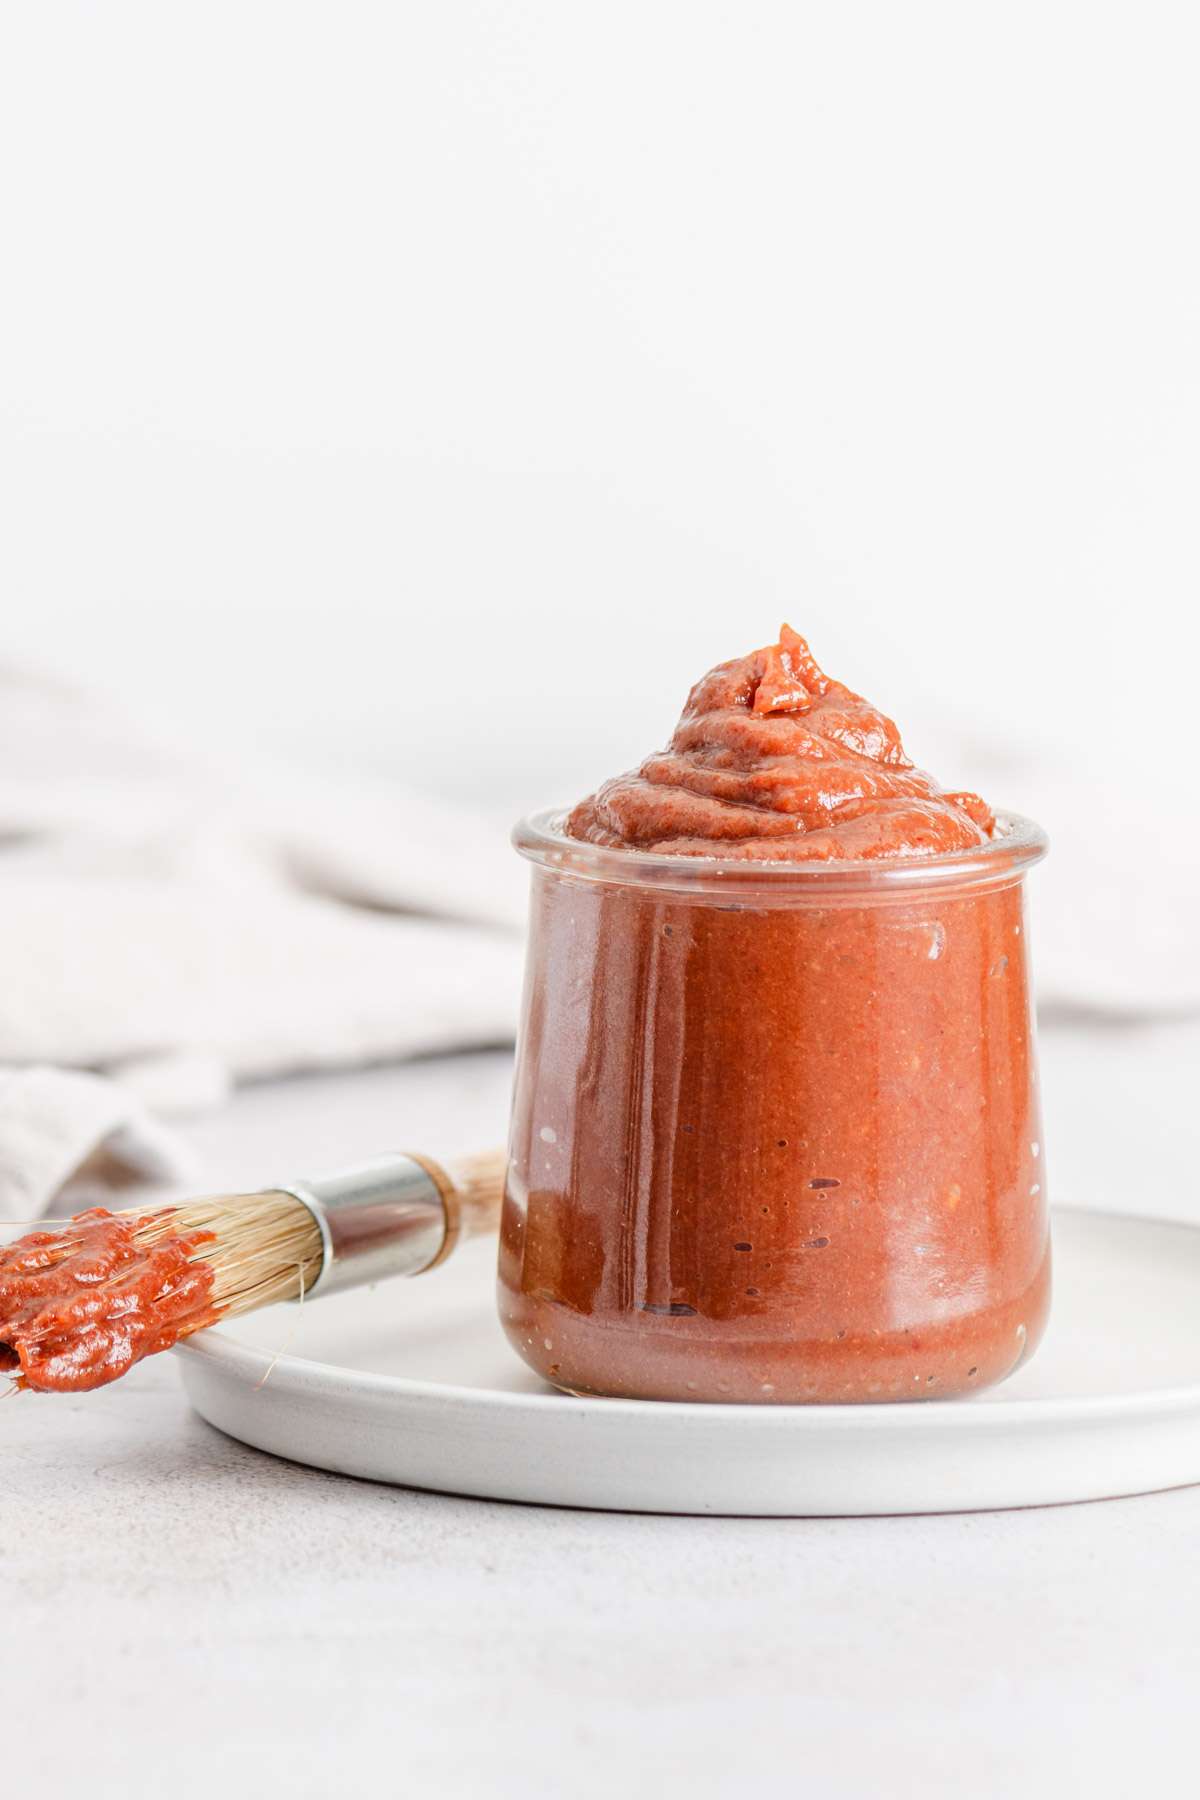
1015, 846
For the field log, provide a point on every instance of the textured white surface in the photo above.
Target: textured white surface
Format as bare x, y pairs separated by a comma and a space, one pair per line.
321, 1636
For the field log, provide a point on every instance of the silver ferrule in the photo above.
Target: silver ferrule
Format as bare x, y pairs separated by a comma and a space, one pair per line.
379, 1218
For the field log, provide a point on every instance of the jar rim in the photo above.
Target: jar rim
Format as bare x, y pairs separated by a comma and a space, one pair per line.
1015, 846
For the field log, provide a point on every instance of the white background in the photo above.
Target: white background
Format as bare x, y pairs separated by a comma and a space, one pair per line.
444, 386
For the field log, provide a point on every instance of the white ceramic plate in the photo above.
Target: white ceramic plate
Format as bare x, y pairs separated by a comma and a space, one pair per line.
413, 1382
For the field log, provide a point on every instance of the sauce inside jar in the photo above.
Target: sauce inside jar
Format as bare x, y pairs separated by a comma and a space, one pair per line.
775, 1133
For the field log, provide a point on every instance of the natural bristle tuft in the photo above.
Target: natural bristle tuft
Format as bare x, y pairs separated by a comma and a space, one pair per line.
267, 1246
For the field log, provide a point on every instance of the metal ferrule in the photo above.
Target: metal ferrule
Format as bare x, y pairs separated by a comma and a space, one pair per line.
380, 1218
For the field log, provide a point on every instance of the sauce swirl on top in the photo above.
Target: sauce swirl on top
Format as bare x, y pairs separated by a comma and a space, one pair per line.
773, 760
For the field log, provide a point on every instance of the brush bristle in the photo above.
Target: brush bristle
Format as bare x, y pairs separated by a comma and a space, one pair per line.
267, 1248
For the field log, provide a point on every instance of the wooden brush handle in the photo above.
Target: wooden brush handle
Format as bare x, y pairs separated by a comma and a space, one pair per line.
478, 1182
472, 1190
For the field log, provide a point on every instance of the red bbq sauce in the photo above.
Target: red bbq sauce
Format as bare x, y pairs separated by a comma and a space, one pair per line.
81, 1304
775, 1127
773, 760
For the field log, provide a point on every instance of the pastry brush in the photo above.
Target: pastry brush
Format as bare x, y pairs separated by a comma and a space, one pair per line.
83, 1300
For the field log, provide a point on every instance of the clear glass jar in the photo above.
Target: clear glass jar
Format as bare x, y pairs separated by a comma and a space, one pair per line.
775, 1130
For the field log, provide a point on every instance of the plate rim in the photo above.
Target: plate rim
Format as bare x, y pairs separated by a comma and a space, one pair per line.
217, 1345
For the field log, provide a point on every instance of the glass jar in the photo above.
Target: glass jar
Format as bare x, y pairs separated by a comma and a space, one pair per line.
775, 1130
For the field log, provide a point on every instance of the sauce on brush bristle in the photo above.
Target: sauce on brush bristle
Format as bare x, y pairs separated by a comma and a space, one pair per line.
82, 1302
